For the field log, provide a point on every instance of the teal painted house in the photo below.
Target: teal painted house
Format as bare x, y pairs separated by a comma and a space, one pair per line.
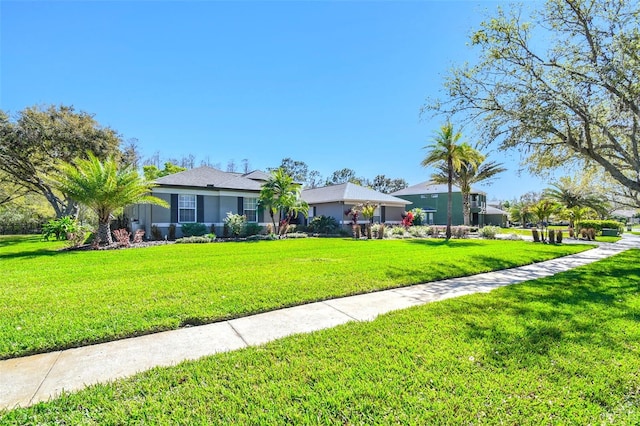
432, 198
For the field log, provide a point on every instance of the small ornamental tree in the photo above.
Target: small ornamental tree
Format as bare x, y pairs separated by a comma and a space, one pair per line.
104, 188
368, 211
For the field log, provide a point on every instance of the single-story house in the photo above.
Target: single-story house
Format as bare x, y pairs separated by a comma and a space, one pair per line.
205, 195
202, 195
432, 198
334, 200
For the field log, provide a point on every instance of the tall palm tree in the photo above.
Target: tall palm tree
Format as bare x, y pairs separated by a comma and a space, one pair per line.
470, 173
104, 188
280, 195
450, 156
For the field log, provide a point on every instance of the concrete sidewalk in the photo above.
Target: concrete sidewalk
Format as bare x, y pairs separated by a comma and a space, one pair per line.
28, 380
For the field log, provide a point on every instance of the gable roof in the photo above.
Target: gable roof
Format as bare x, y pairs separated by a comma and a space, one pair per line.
495, 210
350, 193
428, 187
207, 177
257, 175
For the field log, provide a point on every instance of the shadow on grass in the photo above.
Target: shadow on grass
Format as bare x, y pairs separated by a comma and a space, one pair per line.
585, 307
29, 246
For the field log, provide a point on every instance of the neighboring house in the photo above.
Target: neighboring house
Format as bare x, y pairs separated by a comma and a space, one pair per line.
432, 198
334, 200
203, 195
496, 217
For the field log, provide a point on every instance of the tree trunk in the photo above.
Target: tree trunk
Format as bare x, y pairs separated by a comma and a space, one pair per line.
104, 233
466, 209
449, 199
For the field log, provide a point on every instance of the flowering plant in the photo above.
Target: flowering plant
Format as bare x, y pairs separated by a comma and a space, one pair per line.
407, 219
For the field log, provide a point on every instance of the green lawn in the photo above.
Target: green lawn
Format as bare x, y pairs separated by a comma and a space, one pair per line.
561, 350
52, 300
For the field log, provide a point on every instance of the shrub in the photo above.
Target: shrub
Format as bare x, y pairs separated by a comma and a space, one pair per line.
419, 231
489, 232
235, 223
324, 225
419, 216
193, 229
156, 235
599, 224
460, 232
296, 235
195, 239
79, 237
398, 231
260, 237
172, 231
252, 228
552, 236
122, 237
559, 236
59, 228
407, 219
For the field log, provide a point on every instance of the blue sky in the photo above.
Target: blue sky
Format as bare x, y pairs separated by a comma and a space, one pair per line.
332, 83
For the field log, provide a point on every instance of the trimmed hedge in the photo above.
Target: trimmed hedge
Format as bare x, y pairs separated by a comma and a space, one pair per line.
598, 225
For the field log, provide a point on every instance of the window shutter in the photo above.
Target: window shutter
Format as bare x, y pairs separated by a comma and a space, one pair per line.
200, 208
174, 208
383, 214
240, 205
260, 214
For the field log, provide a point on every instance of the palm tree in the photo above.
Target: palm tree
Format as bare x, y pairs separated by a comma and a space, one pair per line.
470, 173
104, 188
280, 195
571, 195
520, 212
543, 210
445, 152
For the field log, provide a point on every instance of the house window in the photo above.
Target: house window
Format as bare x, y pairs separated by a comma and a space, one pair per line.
250, 207
186, 208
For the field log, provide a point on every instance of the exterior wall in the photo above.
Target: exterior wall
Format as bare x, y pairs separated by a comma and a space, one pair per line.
228, 204
215, 208
212, 209
337, 209
437, 202
394, 214
495, 220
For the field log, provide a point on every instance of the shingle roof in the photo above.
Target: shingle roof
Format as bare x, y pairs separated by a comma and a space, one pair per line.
428, 187
495, 210
349, 192
207, 177
257, 175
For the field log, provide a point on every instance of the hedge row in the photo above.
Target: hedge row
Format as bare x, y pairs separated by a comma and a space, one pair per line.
599, 225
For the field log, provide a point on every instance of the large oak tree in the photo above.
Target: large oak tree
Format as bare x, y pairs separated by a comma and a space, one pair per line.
32, 145
562, 84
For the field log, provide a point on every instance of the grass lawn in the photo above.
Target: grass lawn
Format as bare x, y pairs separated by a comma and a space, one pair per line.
52, 300
560, 350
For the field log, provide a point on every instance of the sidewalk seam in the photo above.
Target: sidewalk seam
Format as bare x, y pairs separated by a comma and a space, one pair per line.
238, 334
325, 302
46, 376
